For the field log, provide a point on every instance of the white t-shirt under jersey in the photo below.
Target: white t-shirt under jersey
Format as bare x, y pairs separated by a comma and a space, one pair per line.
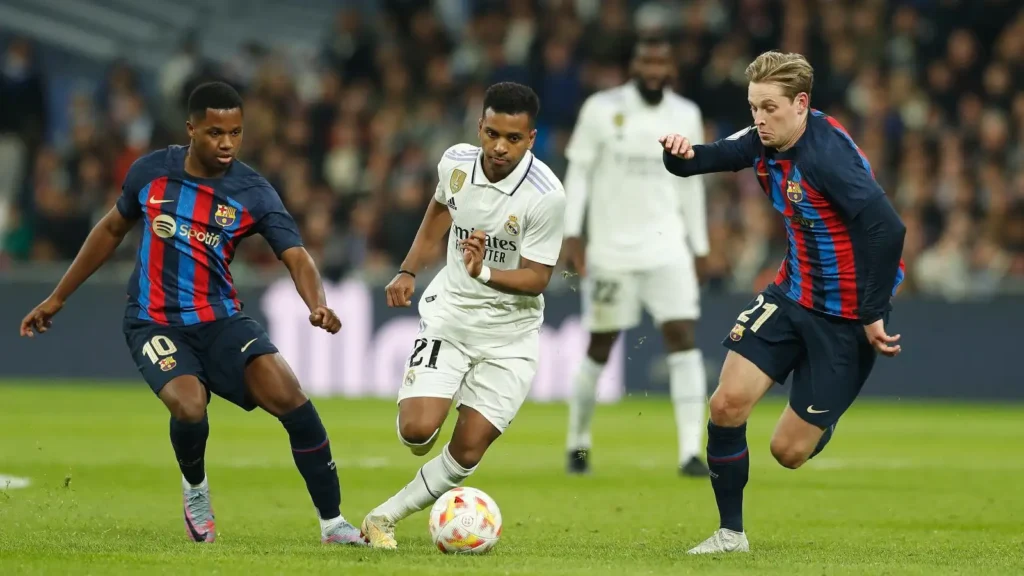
523, 216
639, 216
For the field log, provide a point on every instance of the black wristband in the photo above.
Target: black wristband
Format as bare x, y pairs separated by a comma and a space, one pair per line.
406, 272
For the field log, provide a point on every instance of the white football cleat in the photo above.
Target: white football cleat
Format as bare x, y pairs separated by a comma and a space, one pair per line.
723, 540
378, 532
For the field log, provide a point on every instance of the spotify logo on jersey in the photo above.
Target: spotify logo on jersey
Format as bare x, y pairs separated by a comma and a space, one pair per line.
164, 225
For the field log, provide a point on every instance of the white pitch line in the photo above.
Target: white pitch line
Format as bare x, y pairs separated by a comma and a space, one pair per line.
13, 482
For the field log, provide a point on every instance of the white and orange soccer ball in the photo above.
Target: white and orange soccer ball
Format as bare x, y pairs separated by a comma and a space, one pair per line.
465, 521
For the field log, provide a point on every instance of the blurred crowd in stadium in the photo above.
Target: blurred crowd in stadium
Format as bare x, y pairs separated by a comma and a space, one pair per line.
932, 90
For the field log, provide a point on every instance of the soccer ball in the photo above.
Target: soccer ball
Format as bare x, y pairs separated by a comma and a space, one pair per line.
465, 521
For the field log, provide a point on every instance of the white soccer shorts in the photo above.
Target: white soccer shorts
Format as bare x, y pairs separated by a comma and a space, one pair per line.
493, 379
614, 301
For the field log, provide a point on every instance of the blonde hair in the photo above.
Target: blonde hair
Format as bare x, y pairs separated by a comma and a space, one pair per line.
790, 71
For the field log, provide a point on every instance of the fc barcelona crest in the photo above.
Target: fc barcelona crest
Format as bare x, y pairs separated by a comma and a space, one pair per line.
167, 364
457, 180
736, 333
794, 192
225, 215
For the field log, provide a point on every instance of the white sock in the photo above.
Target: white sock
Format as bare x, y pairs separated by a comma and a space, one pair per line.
581, 403
327, 524
432, 480
689, 388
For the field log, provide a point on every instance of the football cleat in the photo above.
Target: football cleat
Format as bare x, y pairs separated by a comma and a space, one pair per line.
341, 532
199, 524
378, 532
723, 540
695, 468
579, 461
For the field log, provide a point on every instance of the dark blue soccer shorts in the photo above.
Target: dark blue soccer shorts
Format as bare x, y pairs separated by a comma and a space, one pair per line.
215, 352
829, 358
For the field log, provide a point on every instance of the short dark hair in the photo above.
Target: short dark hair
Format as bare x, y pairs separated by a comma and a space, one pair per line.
512, 98
651, 40
215, 95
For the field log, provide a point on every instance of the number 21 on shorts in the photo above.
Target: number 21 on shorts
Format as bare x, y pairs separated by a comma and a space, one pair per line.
766, 312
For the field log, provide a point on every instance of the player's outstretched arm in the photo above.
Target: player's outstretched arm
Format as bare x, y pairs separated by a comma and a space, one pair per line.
436, 221
310, 287
101, 243
732, 154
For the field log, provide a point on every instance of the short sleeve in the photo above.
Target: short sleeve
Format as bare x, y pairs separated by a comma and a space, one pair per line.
585, 141
274, 223
845, 178
439, 190
542, 240
128, 203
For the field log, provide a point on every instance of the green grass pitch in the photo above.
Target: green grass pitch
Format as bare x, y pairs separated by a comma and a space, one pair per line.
904, 488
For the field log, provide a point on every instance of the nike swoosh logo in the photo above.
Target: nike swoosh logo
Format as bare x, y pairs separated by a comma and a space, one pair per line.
811, 410
249, 343
153, 200
762, 173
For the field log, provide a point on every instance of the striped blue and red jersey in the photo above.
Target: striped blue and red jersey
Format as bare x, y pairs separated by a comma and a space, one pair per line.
191, 229
820, 186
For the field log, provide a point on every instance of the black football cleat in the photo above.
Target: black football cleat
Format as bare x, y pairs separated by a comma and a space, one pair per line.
578, 461
694, 468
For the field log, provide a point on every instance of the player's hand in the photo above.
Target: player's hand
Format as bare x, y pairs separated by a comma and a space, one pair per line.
677, 146
882, 342
324, 317
41, 317
400, 290
700, 265
473, 252
575, 255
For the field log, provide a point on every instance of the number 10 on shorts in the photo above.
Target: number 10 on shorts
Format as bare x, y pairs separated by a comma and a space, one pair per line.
159, 349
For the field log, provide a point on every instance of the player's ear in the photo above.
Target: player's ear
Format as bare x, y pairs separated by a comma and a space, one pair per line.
533, 138
803, 101
190, 129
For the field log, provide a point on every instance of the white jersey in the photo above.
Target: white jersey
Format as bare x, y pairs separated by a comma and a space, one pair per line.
523, 216
639, 216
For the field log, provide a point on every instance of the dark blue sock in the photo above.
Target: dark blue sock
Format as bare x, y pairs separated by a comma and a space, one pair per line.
729, 461
825, 437
312, 453
189, 442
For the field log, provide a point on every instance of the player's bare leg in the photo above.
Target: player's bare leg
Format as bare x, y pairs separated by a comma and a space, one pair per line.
472, 436
584, 399
796, 441
419, 422
272, 385
689, 388
741, 386
186, 398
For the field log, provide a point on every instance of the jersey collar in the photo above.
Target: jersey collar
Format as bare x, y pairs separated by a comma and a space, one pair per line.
507, 185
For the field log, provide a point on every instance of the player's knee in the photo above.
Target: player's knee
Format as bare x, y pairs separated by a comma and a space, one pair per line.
189, 410
728, 408
679, 335
788, 454
600, 347
416, 432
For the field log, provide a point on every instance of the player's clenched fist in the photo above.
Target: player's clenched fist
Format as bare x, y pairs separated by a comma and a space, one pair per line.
677, 145
324, 317
400, 289
473, 252
41, 317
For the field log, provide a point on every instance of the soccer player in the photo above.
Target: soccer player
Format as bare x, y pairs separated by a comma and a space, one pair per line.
644, 230
480, 316
823, 318
184, 323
